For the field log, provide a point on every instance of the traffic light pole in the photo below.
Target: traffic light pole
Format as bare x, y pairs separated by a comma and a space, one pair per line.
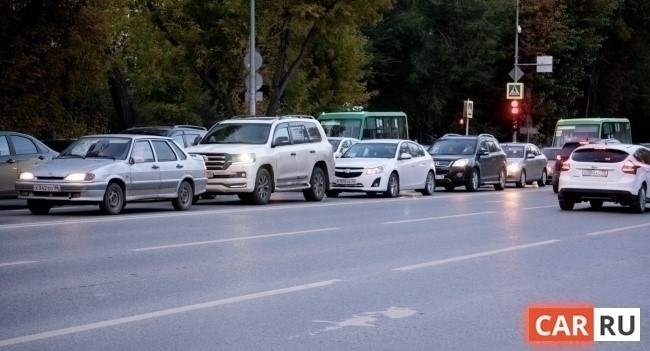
517, 29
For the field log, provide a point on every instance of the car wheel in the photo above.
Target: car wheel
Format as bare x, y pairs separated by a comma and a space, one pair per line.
392, 190
263, 186
39, 207
556, 185
566, 205
473, 181
317, 186
522, 179
113, 201
185, 197
596, 204
542, 181
449, 187
332, 193
502, 180
638, 206
429, 184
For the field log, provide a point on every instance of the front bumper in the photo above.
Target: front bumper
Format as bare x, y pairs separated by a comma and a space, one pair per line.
364, 182
61, 191
237, 178
452, 175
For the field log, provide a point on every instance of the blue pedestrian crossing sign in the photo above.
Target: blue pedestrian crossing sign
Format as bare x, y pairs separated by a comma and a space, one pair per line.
515, 91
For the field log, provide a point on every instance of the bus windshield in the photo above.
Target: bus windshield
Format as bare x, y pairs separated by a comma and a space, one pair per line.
575, 133
348, 128
585, 129
365, 125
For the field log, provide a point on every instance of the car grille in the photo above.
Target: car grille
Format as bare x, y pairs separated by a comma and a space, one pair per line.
358, 185
442, 163
215, 162
348, 172
49, 178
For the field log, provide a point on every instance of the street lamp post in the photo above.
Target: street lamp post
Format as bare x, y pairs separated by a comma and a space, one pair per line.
251, 89
517, 30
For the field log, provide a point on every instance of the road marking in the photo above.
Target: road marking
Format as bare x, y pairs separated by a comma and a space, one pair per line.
16, 263
538, 207
618, 229
163, 313
439, 217
232, 239
476, 255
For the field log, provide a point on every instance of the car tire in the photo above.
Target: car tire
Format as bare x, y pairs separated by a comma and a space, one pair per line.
392, 189
449, 188
542, 181
113, 201
638, 206
473, 181
522, 179
317, 185
263, 186
502, 180
596, 204
556, 185
39, 207
566, 205
184, 197
332, 193
429, 184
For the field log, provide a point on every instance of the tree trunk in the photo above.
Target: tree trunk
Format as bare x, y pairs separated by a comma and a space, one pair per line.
122, 101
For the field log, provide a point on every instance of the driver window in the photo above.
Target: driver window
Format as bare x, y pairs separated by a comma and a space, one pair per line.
281, 135
142, 152
4, 146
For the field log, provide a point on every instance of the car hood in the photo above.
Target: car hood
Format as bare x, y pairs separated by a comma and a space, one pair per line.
223, 148
357, 162
451, 157
61, 167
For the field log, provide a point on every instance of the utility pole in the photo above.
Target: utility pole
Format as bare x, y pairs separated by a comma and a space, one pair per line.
252, 90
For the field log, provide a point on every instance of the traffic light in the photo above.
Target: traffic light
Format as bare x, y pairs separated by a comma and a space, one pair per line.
515, 107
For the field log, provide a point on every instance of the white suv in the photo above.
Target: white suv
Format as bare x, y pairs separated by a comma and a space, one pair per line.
255, 156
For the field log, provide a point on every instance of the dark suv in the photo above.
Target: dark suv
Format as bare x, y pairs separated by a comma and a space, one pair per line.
183, 134
471, 161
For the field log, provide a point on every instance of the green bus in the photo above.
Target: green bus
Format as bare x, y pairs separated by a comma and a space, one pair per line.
592, 128
365, 124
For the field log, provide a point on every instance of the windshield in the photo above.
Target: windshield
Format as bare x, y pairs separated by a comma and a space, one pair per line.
513, 151
550, 153
371, 150
453, 147
342, 128
98, 147
564, 134
238, 133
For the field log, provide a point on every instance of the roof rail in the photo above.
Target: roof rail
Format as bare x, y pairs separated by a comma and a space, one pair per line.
451, 135
189, 126
486, 135
297, 116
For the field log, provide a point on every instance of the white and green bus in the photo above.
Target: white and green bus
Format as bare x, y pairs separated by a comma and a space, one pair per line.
365, 124
592, 128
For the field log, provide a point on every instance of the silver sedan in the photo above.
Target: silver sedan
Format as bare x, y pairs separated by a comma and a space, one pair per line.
111, 170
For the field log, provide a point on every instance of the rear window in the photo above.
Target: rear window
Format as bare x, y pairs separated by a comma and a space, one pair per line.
599, 155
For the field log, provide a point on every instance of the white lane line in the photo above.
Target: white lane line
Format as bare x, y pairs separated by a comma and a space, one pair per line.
232, 239
538, 207
476, 255
618, 229
439, 217
16, 263
491, 202
163, 313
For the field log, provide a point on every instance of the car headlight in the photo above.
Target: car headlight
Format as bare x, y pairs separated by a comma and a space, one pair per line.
375, 170
76, 177
26, 176
513, 167
463, 162
242, 158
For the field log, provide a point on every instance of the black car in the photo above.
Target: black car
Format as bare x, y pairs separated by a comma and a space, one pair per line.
184, 135
470, 161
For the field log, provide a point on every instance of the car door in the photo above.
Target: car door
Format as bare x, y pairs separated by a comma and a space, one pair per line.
171, 168
286, 156
537, 162
405, 166
422, 162
8, 168
144, 171
305, 156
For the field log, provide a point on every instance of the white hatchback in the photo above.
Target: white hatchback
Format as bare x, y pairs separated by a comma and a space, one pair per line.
384, 166
614, 172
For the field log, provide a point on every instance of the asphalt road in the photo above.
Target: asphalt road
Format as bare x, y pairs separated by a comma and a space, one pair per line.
453, 271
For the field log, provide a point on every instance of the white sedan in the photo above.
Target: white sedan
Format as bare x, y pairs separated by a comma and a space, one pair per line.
384, 166
614, 172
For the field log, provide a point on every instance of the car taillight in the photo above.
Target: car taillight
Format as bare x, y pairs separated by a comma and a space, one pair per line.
629, 168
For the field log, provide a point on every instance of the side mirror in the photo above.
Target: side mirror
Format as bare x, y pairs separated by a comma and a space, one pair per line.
279, 141
134, 160
337, 154
405, 156
483, 152
196, 140
530, 155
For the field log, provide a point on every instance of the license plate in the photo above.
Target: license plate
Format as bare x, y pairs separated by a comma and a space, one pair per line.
346, 181
440, 176
47, 187
594, 173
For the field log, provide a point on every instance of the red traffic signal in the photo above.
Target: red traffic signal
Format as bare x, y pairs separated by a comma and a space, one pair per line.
515, 107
